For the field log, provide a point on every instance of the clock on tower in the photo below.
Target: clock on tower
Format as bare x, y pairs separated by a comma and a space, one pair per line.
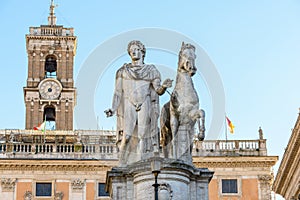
50, 89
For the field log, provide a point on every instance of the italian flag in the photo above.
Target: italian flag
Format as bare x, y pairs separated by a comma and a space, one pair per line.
40, 127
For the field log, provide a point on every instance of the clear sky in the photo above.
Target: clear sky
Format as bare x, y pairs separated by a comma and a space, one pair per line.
254, 46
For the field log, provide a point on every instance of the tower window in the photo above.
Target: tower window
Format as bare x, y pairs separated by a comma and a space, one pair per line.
50, 67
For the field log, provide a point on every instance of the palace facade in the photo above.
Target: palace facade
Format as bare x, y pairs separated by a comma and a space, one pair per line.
70, 165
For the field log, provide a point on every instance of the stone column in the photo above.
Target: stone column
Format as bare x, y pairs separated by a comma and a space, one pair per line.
8, 188
77, 186
265, 187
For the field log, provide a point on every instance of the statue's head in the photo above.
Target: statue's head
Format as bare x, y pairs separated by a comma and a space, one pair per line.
186, 61
136, 44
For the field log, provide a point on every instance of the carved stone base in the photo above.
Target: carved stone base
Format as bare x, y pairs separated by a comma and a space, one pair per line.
176, 180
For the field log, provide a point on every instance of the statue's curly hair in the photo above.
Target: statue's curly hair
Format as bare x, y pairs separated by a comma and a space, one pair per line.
139, 44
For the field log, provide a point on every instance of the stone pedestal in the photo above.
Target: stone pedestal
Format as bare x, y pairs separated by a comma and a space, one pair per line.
177, 181
183, 143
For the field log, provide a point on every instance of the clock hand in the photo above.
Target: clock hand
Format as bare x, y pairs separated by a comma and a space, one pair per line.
51, 87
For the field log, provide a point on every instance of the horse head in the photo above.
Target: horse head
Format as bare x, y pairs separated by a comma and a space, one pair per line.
186, 61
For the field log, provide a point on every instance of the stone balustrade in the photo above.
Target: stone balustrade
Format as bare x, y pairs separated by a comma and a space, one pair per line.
101, 144
56, 151
79, 144
230, 148
51, 31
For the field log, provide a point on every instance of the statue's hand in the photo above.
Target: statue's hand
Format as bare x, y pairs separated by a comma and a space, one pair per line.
202, 129
109, 112
201, 133
167, 83
127, 138
201, 136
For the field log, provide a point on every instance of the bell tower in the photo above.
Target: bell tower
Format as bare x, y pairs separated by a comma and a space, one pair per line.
50, 93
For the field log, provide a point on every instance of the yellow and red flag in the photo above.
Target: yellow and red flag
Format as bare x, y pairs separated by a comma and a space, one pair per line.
230, 125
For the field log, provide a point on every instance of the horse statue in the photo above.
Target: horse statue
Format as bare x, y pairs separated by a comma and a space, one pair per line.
179, 116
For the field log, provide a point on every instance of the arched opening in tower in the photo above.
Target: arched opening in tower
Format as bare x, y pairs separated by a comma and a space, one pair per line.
50, 117
50, 67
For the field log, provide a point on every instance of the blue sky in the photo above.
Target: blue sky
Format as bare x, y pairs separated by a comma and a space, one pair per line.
254, 45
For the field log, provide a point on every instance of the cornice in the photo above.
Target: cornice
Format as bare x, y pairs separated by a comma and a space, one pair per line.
57, 165
104, 165
50, 37
233, 162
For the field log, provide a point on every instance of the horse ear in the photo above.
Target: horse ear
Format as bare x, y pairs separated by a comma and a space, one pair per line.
182, 46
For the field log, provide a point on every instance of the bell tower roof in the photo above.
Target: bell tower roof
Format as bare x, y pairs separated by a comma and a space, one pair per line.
52, 17
50, 32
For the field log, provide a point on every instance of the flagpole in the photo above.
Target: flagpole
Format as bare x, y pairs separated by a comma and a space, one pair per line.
45, 129
225, 130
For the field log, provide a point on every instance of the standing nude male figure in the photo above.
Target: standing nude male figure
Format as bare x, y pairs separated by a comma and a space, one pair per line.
136, 104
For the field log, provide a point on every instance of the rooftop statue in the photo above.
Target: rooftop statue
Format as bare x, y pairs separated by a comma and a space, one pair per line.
180, 114
136, 104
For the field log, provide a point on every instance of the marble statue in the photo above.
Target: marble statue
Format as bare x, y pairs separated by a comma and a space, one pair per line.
136, 104
180, 114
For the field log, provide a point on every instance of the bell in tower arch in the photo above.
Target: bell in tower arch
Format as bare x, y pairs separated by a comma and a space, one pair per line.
50, 66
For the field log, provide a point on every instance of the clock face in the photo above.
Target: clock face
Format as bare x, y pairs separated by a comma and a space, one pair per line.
50, 89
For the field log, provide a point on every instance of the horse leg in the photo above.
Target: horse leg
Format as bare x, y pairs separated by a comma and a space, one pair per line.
191, 140
164, 141
174, 129
166, 135
201, 125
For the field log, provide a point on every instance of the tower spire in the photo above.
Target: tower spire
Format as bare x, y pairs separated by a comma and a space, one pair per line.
52, 17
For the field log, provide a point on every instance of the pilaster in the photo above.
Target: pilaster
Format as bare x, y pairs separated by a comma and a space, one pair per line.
265, 182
